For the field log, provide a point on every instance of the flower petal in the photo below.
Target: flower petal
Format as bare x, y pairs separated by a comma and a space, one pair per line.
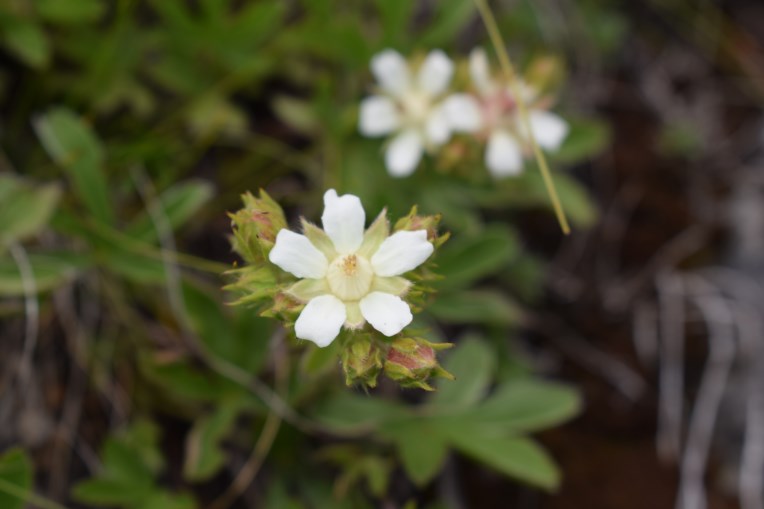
463, 113
480, 71
391, 71
438, 127
503, 156
386, 313
343, 220
548, 129
401, 252
321, 320
378, 116
294, 253
403, 153
435, 72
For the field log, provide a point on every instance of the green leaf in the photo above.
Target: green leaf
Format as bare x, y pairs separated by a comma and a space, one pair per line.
529, 190
122, 462
451, 16
473, 364
242, 340
421, 446
476, 306
465, 259
526, 406
111, 492
520, 458
184, 381
347, 412
204, 458
27, 41
75, 148
179, 203
297, 114
51, 270
24, 209
164, 500
70, 12
15, 478
587, 138
395, 16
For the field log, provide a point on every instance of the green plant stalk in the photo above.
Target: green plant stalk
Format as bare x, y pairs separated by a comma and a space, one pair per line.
506, 64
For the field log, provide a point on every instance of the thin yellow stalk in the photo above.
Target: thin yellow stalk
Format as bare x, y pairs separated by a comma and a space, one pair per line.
508, 69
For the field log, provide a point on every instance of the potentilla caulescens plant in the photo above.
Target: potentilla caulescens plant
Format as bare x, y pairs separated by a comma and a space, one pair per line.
343, 282
425, 113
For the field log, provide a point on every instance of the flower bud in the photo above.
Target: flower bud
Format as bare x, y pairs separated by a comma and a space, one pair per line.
413, 222
255, 226
362, 361
412, 362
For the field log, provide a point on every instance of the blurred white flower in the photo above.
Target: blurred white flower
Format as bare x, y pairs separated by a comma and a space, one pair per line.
499, 121
349, 277
410, 106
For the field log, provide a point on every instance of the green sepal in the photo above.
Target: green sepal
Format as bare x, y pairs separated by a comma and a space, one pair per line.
375, 235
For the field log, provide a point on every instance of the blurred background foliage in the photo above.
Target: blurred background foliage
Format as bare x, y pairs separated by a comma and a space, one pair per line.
130, 127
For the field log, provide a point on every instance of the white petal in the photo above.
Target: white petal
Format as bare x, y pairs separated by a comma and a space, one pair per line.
321, 320
401, 252
480, 72
438, 127
403, 153
548, 129
378, 116
435, 72
502, 155
343, 220
463, 112
391, 71
295, 254
386, 313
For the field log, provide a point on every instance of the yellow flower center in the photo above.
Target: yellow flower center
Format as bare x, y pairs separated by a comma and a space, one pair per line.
350, 277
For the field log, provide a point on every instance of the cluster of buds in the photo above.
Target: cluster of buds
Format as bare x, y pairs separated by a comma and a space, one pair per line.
420, 111
344, 282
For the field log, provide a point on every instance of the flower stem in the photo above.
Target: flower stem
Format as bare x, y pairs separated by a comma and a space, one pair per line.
506, 64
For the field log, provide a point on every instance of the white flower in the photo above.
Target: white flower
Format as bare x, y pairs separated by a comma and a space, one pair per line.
349, 277
498, 119
409, 106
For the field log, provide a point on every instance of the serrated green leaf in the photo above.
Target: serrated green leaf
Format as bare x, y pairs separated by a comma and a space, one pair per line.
75, 148
473, 364
16, 478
